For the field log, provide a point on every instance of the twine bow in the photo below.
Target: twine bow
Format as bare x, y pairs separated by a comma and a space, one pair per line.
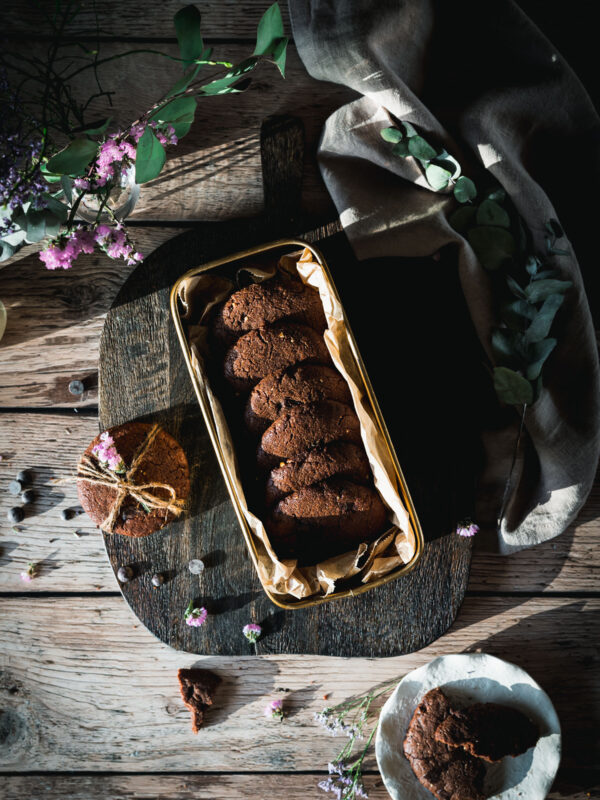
92, 471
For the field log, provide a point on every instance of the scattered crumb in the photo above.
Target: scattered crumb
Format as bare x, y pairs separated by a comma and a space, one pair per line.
325, 696
52, 540
67, 430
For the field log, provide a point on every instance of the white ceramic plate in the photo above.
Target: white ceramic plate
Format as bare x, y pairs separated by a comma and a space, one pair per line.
466, 679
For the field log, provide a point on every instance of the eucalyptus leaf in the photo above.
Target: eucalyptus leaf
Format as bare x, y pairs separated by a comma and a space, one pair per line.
518, 314
553, 227
279, 54
409, 129
542, 322
437, 177
67, 186
515, 288
6, 251
50, 177
463, 218
465, 190
98, 128
546, 273
187, 28
36, 226
270, 30
539, 352
179, 113
511, 387
392, 135
74, 158
448, 162
150, 157
182, 84
493, 246
540, 290
497, 195
224, 85
532, 265
401, 148
506, 347
419, 148
52, 223
491, 213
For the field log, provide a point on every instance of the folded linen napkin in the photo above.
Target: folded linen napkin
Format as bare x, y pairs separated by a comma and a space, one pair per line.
482, 81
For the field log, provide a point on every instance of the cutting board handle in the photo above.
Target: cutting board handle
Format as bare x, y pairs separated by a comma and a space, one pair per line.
282, 157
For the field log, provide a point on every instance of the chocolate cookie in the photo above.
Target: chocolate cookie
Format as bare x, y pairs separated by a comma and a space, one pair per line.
303, 383
197, 687
327, 517
336, 459
488, 731
266, 350
162, 462
449, 773
299, 429
278, 299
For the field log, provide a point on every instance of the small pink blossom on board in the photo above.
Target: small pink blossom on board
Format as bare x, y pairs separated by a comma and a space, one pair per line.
195, 617
252, 632
274, 710
31, 573
467, 528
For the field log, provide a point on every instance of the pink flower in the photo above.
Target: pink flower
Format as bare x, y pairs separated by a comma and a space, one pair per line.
81, 183
77, 241
274, 710
31, 573
113, 154
136, 131
195, 617
113, 240
467, 528
25, 576
106, 453
252, 632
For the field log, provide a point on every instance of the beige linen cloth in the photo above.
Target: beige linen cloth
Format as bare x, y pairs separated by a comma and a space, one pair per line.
481, 80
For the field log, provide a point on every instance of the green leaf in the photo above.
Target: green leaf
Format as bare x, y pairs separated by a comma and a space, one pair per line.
462, 219
539, 352
507, 347
540, 290
52, 223
532, 265
60, 210
419, 148
465, 190
179, 113
67, 187
98, 128
401, 149
493, 246
150, 157
518, 315
50, 177
491, 213
515, 288
224, 85
497, 195
36, 226
409, 129
511, 387
74, 158
392, 135
189, 37
546, 273
279, 54
437, 177
448, 162
270, 30
184, 82
542, 322
6, 251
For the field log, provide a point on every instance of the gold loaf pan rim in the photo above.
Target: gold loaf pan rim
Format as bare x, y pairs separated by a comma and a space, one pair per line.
208, 419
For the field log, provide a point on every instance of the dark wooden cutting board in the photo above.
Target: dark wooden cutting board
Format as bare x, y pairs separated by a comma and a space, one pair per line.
143, 377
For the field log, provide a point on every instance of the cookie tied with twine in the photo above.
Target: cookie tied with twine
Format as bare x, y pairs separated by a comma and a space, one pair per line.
147, 492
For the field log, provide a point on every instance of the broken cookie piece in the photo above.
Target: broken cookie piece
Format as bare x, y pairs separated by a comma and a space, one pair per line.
449, 773
197, 687
488, 731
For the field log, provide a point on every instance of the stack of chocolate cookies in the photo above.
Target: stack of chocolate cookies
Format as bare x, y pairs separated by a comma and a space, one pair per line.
318, 496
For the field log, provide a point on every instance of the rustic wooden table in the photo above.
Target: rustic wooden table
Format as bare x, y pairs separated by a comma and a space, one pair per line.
89, 704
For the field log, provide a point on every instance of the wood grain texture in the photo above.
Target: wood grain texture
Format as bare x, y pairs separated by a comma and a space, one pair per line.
569, 563
221, 19
54, 324
85, 687
570, 785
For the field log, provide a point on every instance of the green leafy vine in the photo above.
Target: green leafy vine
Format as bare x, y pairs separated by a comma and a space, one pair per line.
530, 295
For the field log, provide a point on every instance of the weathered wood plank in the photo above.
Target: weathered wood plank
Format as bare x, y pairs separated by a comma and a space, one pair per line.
223, 787
49, 444
85, 687
221, 19
54, 324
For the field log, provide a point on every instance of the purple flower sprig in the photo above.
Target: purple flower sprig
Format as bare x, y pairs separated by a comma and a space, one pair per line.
467, 528
350, 718
195, 617
252, 632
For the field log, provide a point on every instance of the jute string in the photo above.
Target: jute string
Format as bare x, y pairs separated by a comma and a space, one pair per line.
92, 471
